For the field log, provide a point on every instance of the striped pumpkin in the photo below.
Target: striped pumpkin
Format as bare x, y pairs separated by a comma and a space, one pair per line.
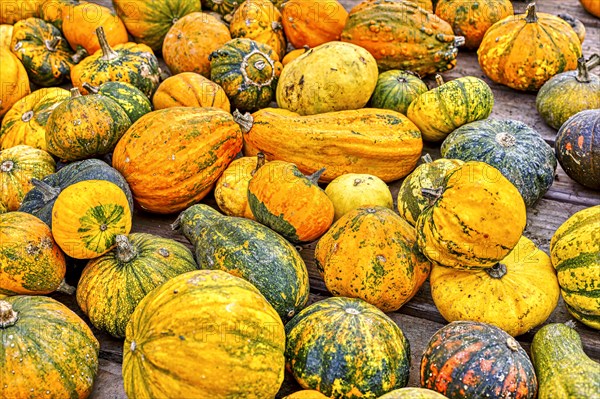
396, 89
189, 89
130, 98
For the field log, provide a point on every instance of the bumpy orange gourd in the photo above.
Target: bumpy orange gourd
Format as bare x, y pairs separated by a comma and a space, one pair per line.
313, 22
14, 83
189, 89
591, 6
231, 190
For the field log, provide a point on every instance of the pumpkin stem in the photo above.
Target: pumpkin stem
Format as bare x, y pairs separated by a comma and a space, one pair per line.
244, 120
530, 15
432, 194
439, 79
7, 166
51, 44
583, 74
260, 161
314, 178
80, 54
126, 252
90, 88
49, 192
593, 61
75, 92
108, 54
66, 288
8, 317
497, 271
427, 158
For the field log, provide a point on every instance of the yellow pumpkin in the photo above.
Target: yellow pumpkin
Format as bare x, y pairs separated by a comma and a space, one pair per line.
516, 294
306, 394
12, 11
5, 35
14, 83
231, 190
189, 89
352, 190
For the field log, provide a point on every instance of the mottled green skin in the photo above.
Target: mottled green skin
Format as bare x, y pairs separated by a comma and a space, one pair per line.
133, 101
276, 222
563, 369
90, 169
396, 89
525, 159
249, 250
223, 7
346, 348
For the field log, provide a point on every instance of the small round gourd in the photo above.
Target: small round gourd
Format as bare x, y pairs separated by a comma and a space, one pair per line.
189, 89
231, 190
396, 89
352, 190
259, 20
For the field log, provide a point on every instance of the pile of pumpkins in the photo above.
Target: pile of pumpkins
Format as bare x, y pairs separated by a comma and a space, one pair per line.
228, 318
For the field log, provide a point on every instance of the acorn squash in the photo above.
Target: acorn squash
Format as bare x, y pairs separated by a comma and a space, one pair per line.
352, 190
189, 89
396, 89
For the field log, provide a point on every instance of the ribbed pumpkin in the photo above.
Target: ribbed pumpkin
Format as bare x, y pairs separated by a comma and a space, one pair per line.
524, 51
412, 393
320, 356
516, 294
577, 148
30, 260
576, 24
39, 201
429, 175
37, 327
130, 98
189, 89
18, 165
229, 341
400, 35
569, 93
396, 89
191, 40
44, 52
248, 72
476, 360
386, 269
25, 122
476, 218
574, 250
516, 150
14, 83
12, 11
381, 143
450, 105
591, 6
113, 284
352, 190
231, 190
55, 11
303, 219
247, 249
87, 216
196, 145
313, 22
5, 35
259, 20
128, 62
306, 394
85, 126
473, 19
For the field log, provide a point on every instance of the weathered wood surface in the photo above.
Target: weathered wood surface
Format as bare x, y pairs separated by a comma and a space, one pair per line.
419, 319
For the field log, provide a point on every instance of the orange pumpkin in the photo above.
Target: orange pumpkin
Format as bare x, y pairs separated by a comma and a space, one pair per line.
292, 55
189, 89
14, 83
313, 22
259, 20
591, 6
12, 11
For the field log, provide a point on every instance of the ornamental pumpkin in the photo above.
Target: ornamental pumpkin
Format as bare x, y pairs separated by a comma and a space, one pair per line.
25, 122
450, 105
473, 19
400, 35
476, 218
591, 6
55, 11
191, 40
305, 218
14, 83
30, 261
577, 148
331, 77
429, 175
87, 216
12, 11
222, 7
113, 284
569, 93
516, 150
248, 363
576, 24
352, 190
306, 394
318, 350
292, 55
313, 22
38, 327
189, 89
128, 62
516, 294
196, 145
127, 96
85, 126
5, 35
381, 143
524, 51
259, 20
387, 270
18, 165
396, 89
45, 54
231, 190
412, 393
467, 359
248, 71
247, 249
574, 249
563, 369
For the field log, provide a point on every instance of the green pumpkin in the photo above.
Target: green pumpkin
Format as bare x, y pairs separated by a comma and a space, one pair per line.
112, 285
44, 52
512, 147
248, 71
569, 93
346, 348
130, 98
249, 250
396, 89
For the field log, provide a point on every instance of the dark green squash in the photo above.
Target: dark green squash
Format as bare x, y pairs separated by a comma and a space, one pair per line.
133, 101
249, 250
577, 148
516, 150
396, 89
40, 200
